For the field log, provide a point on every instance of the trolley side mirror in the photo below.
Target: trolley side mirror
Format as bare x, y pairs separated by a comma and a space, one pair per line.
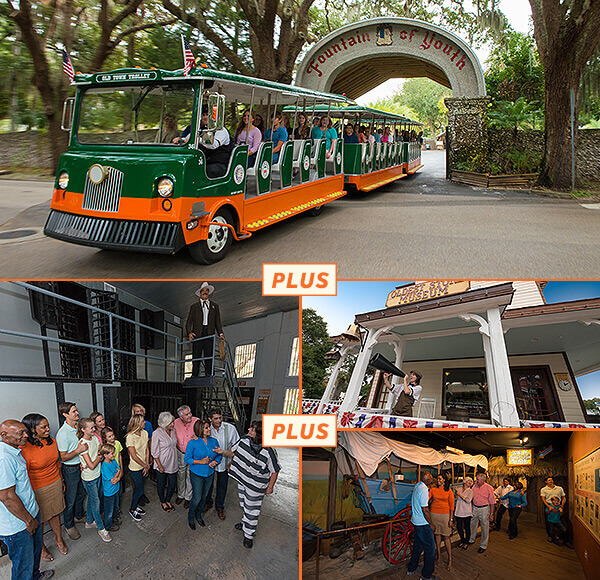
216, 112
67, 114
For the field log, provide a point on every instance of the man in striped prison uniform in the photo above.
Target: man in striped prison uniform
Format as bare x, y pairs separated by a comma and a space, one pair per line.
255, 468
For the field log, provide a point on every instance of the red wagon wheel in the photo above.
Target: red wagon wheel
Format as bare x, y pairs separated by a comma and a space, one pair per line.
397, 539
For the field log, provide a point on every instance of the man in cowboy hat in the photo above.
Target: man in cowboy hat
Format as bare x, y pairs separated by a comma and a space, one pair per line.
204, 319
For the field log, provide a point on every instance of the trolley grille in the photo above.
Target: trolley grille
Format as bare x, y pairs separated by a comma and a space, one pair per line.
159, 237
104, 196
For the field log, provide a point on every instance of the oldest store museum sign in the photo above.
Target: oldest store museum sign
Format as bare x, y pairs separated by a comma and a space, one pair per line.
424, 291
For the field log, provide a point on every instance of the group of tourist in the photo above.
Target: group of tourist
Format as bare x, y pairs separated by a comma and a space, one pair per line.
250, 131
435, 506
43, 477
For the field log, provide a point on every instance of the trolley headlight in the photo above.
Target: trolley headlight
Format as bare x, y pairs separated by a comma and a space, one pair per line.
63, 180
165, 187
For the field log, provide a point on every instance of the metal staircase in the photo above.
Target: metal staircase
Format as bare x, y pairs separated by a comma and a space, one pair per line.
221, 389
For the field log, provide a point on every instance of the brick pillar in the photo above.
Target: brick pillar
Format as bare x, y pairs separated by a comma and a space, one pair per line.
467, 133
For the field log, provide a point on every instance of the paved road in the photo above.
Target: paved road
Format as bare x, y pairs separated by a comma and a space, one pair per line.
419, 227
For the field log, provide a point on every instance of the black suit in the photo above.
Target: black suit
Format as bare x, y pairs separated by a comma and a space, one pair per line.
203, 348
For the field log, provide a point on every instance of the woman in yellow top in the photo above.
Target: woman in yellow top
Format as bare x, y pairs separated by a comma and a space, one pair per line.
136, 442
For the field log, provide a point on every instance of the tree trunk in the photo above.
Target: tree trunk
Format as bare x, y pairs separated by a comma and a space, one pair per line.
566, 34
556, 164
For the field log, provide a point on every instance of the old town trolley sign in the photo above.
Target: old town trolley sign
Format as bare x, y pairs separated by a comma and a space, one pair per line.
130, 182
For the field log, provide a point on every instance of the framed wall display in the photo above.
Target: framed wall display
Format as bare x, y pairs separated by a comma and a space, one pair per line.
587, 492
516, 457
263, 401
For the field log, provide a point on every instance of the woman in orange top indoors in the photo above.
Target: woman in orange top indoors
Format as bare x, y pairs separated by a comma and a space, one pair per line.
441, 506
43, 466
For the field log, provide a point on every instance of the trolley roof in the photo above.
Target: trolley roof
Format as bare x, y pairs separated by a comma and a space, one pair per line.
366, 113
238, 87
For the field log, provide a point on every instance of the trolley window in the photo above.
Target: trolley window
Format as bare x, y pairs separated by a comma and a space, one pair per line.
136, 115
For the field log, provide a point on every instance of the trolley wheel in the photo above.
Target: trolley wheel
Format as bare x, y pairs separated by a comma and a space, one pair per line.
217, 243
397, 539
315, 211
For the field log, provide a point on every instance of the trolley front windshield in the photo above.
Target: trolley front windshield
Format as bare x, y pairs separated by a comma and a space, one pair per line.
156, 114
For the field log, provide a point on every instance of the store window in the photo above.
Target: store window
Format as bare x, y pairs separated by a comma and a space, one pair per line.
466, 390
245, 359
294, 366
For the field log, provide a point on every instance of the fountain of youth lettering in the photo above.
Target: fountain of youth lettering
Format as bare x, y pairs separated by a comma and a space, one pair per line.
356, 58
359, 57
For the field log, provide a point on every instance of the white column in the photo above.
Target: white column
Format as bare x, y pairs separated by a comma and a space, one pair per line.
353, 393
506, 402
490, 370
399, 352
333, 377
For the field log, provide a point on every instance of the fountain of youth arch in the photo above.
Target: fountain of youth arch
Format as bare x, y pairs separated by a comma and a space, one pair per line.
359, 57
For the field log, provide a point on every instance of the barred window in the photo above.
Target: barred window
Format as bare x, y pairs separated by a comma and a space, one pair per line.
294, 366
291, 403
245, 359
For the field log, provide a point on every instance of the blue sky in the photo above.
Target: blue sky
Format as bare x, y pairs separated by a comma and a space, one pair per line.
354, 297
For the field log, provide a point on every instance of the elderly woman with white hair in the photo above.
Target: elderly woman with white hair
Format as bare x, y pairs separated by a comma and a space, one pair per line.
463, 511
164, 452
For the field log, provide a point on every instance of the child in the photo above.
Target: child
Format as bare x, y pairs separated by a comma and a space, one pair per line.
90, 476
111, 475
108, 436
553, 514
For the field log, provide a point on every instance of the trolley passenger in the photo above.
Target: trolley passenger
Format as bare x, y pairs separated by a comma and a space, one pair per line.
326, 131
247, 133
278, 135
349, 135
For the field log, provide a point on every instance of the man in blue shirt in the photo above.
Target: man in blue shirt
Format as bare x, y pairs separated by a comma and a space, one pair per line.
280, 136
20, 526
423, 529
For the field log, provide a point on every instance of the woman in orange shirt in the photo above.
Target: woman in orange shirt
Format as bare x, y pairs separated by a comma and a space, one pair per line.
441, 506
43, 467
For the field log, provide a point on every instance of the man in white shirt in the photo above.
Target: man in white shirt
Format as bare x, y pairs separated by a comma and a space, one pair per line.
503, 505
227, 436
547, 493
407, 394
216, 152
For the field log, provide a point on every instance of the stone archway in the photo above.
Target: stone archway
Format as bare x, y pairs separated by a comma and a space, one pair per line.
356, 58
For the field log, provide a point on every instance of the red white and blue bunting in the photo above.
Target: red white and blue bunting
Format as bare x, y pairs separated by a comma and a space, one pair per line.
360, 419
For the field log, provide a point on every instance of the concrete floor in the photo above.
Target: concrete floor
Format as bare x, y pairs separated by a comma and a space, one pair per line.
163, 546
422, 227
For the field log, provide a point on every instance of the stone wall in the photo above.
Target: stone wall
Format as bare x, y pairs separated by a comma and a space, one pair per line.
470, 139
25, 149
467, 133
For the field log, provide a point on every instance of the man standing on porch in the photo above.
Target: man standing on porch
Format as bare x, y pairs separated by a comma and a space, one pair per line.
483, 504
423, 540
408, 394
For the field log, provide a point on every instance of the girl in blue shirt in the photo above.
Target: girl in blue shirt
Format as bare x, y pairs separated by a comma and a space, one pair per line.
202, 458
516, 502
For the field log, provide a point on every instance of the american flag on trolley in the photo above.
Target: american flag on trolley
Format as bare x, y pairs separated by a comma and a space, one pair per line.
188, 58
68, 66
